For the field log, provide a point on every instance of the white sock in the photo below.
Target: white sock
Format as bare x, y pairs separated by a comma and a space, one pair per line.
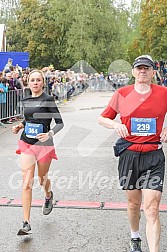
135, 234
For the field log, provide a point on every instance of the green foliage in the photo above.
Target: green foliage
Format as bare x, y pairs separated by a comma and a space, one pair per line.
150, 33
133, 36
67, 31
64, 32
94, 35
154, 27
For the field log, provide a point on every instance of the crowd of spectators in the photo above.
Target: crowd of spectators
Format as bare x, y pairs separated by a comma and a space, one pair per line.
161, 74
61, 84
13, 87
10, 92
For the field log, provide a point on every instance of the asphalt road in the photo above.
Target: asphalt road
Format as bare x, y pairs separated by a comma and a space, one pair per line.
85, 172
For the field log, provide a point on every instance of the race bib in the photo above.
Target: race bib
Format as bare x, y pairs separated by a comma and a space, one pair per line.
143, 126
32, 129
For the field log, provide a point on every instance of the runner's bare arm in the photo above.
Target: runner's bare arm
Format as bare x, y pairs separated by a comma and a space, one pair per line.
112, 124
163, 135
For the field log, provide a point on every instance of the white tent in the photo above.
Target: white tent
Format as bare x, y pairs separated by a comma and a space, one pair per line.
2, 38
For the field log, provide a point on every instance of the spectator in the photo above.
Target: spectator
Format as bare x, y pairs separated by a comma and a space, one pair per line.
165, 81
14, 95
1, 75
9, 65
25, 86
3, 107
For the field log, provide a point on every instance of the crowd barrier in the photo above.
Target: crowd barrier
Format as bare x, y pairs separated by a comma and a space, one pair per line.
63, 91
10, 102
104, 85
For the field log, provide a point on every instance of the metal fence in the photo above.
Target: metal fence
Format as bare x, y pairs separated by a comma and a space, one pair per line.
10, 101
9, 104
100, 85
63, 91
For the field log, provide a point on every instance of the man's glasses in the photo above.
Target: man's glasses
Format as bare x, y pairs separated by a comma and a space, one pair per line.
146, 68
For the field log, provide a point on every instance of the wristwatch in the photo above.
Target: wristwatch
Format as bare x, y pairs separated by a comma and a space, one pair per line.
50, 134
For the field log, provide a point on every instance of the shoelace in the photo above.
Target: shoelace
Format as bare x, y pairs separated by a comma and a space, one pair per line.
25, 224
135, 244
47, 202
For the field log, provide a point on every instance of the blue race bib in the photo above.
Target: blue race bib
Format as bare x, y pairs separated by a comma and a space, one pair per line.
143, 126
32, 129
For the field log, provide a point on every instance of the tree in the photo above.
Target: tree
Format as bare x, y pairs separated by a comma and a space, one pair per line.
88, 31
28, 32
154, 27
134, 44
64, 32
150, 36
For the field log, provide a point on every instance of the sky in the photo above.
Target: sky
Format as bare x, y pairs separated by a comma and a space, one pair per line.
128, 2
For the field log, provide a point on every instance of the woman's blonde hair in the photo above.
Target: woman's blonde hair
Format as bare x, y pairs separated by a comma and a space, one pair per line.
37, 71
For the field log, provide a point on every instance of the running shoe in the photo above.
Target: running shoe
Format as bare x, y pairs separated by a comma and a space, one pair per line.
25, 230
135, 245
7, 122
48, 205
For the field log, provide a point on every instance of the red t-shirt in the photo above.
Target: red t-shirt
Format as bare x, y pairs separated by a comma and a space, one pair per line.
134, 106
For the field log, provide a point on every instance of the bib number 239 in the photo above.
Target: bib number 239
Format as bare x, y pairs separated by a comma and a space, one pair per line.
143, 126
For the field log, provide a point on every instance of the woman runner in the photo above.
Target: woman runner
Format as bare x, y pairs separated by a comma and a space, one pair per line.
36, 143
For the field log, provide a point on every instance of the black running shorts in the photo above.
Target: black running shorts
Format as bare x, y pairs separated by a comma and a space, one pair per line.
141, 170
